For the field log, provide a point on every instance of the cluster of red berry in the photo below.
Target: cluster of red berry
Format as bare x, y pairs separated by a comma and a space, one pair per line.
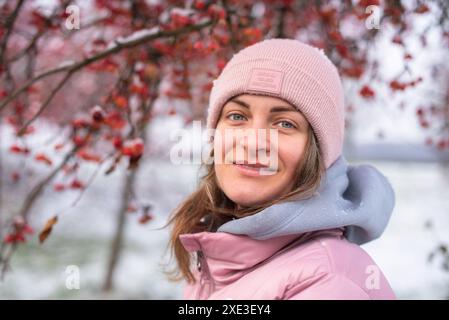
19, 230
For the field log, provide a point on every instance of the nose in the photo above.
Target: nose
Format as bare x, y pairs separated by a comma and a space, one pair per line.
255, 141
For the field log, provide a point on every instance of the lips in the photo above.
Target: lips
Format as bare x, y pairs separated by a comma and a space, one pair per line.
252, 165
256, 169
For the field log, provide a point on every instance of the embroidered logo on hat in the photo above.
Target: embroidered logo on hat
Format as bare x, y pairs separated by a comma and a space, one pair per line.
265, 80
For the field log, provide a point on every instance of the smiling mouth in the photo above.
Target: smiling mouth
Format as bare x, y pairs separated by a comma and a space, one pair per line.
253, 165
254, 169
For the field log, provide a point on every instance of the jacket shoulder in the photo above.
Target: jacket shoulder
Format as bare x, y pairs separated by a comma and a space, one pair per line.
335, 266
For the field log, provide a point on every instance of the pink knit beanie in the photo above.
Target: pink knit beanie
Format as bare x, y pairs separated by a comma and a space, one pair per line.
295, 72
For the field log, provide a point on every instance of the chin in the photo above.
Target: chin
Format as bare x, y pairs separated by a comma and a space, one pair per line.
247, 198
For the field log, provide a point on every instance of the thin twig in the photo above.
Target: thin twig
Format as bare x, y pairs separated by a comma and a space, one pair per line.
27, 204
45, 104
89, 182
229, 24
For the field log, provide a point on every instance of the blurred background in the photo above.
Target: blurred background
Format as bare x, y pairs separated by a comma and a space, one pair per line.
92, 91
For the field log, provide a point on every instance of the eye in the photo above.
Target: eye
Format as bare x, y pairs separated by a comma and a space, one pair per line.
235, 114
289, 125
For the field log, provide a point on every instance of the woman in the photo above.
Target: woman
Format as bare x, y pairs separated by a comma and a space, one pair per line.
289, 228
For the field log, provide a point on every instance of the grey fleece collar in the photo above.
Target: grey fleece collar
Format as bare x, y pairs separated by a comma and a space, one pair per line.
359, 198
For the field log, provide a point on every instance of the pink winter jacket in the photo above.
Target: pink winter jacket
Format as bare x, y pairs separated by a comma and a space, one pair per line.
313, 265
300, 249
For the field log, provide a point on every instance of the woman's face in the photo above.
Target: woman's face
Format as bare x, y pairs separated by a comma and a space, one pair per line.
251, 185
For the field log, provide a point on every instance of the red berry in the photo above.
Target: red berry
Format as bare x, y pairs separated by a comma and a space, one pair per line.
97, 114
58, 187
367, 92
145, 218
76, 184
43, 158
133, 148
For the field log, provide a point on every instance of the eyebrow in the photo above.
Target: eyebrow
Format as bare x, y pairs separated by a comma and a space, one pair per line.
274, 109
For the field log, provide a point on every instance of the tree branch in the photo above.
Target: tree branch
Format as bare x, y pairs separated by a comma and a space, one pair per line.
117, 47
9, 25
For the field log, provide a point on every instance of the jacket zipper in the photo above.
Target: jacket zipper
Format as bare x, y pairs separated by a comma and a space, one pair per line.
205, 277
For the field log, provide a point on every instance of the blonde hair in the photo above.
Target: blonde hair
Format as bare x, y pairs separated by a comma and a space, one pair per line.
208, 207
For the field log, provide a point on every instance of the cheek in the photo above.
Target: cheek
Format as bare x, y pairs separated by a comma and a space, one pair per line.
220, 173
219, 147
222, 149
224, 145
291, 153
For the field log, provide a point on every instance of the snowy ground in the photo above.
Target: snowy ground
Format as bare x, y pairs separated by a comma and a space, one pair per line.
83, 234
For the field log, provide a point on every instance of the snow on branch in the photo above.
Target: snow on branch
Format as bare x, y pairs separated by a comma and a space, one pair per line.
138, 35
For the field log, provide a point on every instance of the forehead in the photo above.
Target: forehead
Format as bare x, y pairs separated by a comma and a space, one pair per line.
262, 100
